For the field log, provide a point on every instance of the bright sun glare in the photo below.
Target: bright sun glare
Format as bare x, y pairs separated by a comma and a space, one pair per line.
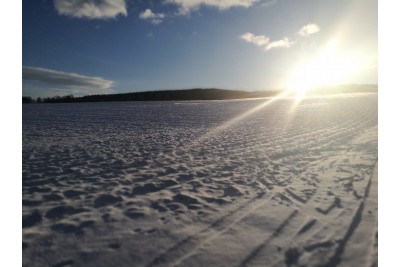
328, 67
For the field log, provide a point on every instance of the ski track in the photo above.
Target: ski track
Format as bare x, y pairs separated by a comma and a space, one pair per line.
118, 183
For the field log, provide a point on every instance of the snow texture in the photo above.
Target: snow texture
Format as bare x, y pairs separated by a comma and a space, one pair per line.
201, 183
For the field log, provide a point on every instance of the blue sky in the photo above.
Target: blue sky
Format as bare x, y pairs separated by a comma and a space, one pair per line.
114, 46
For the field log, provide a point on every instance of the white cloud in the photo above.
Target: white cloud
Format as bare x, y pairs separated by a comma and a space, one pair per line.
264, 41
308, 29
187, 6
64, 79
285, 42
259, 40
91, 9
155, 18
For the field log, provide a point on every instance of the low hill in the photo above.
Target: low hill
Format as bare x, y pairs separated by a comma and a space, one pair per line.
195, 94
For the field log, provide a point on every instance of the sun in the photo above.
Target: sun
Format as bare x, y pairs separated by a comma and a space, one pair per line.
327, 67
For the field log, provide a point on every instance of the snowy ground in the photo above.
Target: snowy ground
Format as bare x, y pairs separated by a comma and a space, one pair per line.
208, 183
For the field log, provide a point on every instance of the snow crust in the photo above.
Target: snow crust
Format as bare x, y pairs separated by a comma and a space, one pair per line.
201, 183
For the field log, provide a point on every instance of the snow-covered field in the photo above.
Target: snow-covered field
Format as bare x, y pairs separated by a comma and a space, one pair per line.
206, 183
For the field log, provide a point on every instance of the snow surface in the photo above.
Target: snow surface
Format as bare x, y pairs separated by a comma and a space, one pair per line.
201, 183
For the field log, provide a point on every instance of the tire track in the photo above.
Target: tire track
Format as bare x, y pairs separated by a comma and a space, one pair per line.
286, 159
188, 247
336, 259
298, 237
260, 247
185, 248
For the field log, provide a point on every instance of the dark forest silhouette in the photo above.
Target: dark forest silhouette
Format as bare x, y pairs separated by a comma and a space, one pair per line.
193, 94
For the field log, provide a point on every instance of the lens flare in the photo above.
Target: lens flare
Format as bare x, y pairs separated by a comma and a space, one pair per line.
328, 67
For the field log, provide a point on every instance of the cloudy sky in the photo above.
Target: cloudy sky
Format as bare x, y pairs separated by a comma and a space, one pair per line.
113, 46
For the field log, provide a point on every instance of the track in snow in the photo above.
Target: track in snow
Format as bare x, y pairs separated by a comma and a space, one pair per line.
154, 184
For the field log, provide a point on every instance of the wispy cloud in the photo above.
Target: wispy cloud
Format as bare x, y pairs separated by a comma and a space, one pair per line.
259, 40
264, 41
64, 79
285, 42
308, 29
187, 6
155, 18
91, 9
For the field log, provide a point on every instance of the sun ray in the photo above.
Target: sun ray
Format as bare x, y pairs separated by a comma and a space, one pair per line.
231, 122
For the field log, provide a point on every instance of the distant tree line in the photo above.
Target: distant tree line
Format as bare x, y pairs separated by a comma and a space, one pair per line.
172, 95
175, 95
55, 99
192, 94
